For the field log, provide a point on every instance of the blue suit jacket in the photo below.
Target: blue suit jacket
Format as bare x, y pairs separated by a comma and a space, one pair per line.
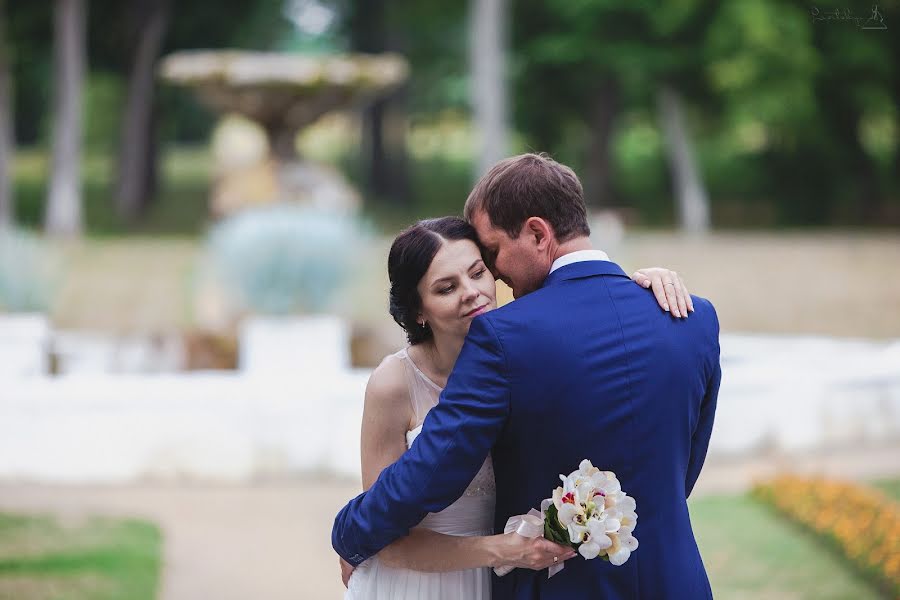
586, 367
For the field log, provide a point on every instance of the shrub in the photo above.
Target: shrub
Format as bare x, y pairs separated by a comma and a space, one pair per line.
859, 522
284, 259
26, 272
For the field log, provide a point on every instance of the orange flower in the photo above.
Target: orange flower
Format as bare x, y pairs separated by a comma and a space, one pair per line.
863, 523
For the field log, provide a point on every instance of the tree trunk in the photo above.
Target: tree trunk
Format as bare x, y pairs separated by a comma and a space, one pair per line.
374, 152
487, 60
64, 200
7, 140
598, 177
383, 135
844, 118
135, 178
693, 202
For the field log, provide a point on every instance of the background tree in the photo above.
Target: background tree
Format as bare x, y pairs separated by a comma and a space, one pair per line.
7, 143
136, 173
487, 60
372, 29
63, 215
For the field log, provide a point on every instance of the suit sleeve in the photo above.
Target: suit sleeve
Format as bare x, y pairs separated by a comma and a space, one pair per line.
703, 429
456, 437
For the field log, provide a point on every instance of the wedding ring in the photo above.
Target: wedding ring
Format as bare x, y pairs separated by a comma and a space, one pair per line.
668, 283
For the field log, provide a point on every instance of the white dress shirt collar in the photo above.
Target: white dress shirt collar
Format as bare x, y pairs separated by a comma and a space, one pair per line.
578, 256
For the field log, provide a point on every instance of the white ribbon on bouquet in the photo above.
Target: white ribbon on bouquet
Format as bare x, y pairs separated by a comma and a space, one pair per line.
530, 526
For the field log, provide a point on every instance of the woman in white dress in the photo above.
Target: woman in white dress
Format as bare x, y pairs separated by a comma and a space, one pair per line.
439, 283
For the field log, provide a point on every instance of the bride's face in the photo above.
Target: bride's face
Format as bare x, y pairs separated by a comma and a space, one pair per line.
456, 288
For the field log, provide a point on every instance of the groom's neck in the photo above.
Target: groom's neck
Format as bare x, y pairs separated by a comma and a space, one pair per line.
573, 245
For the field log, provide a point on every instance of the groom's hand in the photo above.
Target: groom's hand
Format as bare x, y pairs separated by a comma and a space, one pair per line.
346, 571
669, 289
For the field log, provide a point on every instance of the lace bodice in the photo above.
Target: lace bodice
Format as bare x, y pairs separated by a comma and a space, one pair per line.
482, 485
424, 395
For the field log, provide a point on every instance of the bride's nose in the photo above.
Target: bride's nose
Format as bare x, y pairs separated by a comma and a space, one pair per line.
470, 292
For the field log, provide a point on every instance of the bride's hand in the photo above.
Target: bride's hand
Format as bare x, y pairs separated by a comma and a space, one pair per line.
346, 571
668, 288
527, 553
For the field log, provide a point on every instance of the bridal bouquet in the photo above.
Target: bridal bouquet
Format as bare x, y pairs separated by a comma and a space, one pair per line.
589, 512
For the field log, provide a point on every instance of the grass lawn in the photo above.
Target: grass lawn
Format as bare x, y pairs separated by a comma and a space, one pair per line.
751, 553
180, 209
891, 487
97, 559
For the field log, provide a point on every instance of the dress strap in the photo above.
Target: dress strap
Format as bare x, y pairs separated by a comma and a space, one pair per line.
423, 393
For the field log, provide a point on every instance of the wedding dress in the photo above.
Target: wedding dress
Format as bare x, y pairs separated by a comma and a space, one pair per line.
472, 514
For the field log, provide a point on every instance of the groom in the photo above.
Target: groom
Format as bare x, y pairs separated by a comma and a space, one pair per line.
582, 365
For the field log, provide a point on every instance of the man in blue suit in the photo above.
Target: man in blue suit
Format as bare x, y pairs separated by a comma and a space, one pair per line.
582, 365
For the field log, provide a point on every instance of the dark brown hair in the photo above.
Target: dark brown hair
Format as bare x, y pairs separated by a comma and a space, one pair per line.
408, 261
531, 185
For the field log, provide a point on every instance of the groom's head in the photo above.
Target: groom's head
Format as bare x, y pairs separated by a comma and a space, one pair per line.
523, 209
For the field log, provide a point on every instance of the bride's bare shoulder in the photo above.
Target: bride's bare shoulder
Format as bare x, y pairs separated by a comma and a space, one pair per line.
387, 384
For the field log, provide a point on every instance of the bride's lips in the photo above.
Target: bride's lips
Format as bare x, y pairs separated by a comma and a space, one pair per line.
476, 311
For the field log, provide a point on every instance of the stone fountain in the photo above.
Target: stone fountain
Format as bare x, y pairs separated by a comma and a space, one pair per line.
274, 251
282, 93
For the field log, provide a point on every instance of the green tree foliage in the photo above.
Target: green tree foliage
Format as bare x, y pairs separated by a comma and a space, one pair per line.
254, 24
796, 115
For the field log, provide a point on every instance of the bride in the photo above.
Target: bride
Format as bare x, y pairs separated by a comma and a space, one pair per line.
439, 283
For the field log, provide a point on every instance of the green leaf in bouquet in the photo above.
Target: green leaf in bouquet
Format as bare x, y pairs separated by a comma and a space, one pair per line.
553, 529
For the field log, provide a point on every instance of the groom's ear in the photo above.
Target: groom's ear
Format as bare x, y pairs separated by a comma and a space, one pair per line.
539, 230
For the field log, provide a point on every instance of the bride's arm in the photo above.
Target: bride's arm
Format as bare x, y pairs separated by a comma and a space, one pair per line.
387, 415
426, 550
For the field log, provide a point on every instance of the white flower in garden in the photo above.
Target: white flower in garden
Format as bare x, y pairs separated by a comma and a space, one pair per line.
623, 544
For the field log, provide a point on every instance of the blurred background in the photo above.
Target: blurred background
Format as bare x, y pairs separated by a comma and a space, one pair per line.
196, 202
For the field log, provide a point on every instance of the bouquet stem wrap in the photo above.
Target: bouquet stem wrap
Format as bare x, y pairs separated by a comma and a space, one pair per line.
530, 526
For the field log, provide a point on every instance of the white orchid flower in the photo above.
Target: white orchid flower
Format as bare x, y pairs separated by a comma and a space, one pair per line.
612, 524
622, 547
587, 469
597, 540
578, 534
597, 515
612, 483
557, 497
567, 514
628, 522
584, 492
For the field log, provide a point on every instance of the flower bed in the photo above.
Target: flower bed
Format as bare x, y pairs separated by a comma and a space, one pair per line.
861, 523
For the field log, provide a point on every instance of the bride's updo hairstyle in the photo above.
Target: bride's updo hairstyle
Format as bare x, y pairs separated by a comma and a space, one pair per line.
408, 261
